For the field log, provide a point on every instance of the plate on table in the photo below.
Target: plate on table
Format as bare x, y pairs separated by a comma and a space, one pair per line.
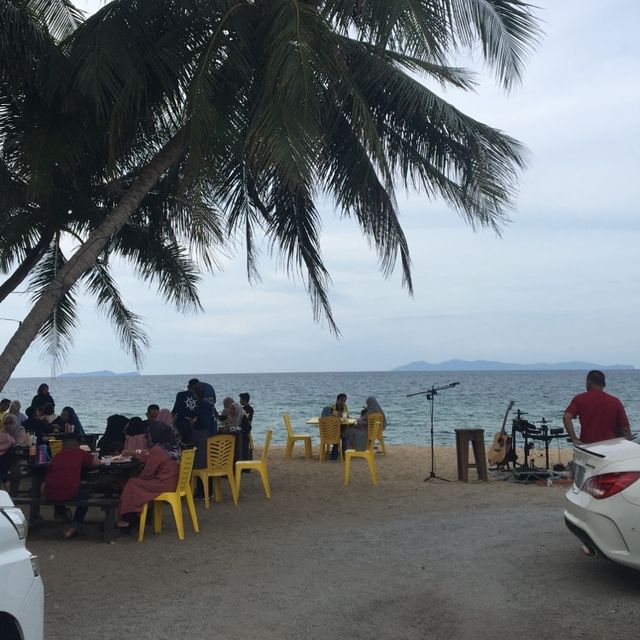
120, 459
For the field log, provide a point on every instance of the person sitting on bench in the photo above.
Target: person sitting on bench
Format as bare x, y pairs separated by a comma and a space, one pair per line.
63, 480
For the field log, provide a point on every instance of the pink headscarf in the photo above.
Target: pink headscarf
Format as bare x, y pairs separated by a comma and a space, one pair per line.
165, 417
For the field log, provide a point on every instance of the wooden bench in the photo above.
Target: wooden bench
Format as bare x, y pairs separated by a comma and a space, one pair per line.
108, 505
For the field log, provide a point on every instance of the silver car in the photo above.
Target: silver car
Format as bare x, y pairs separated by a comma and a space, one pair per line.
21, 589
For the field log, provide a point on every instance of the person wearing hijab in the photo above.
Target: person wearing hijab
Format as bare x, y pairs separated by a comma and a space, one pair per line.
205, 423
12, 427
232, 414
15, 409
160, 473
357, 435
43, 397
164, 416
113, 439
68, 422
136, 438
6, 454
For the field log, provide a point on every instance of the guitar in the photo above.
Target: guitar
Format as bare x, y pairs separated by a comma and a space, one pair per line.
499, 450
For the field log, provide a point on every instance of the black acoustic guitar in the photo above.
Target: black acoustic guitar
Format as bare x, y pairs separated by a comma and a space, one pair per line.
499, 450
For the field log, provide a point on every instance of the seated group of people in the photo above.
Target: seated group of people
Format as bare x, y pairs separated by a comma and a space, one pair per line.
40, 419
354, 436
156, 442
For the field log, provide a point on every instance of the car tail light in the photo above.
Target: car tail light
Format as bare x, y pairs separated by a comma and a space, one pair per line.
608, 484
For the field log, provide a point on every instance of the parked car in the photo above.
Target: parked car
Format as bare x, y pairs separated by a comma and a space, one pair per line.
21, 589
603, 505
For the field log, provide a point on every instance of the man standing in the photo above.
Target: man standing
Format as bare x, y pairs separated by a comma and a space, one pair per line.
184, 411
601, 415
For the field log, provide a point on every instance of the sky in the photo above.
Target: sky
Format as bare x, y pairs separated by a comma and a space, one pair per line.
560, 284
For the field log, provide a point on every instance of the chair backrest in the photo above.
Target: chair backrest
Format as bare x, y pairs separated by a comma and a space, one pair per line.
329, 429
55, 446
186, 466
220, 450
287, 423
372, 418
374, 434
267, 442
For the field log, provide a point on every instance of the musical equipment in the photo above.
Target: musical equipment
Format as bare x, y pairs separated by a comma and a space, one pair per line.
430, 395
531, 435
499, 450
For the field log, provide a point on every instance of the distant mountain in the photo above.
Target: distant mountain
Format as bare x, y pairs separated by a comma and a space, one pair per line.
97, 374
491, 365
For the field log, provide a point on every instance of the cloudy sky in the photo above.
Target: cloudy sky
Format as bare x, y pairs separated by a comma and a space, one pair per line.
561, 283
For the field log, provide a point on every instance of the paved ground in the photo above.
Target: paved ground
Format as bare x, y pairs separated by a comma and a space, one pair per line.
404, 560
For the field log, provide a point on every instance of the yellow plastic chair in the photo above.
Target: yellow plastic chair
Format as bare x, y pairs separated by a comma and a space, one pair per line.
220, 451
292, 438
372, 418
174, 498
259, 465
368, 455
329, 428
55, 446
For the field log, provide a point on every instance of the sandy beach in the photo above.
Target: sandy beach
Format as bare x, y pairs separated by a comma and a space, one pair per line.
404, 559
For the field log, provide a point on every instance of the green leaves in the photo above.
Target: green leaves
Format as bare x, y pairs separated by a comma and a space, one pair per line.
282, 103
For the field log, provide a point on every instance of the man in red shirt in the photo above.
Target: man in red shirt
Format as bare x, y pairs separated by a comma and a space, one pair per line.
63, 479
601, 415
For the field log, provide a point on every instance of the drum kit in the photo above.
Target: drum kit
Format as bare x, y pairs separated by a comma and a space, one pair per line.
539, 434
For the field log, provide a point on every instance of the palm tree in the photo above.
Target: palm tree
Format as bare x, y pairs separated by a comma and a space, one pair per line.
269, 106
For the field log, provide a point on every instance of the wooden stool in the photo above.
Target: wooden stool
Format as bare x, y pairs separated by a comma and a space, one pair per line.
475, 437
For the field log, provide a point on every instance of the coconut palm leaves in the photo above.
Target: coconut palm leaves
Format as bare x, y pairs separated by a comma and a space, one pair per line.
271, 108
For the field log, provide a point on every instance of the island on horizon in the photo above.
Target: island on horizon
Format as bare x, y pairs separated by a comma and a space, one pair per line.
493, 365
97, 374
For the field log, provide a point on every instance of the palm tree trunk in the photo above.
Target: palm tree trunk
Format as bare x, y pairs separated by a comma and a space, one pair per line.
87, 254
31, 260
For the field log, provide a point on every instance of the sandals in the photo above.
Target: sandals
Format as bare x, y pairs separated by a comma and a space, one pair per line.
69, 534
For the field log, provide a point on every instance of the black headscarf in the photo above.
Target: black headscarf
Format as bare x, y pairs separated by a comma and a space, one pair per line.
113, 435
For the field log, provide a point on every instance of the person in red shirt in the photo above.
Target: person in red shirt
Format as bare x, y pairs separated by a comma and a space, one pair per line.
601, 415
63, 480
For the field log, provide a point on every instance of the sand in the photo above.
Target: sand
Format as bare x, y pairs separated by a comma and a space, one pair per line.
404, 559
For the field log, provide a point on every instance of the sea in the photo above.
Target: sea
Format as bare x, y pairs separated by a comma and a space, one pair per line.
479, 401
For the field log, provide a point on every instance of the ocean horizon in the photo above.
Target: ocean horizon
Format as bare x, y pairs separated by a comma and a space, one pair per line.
479, 401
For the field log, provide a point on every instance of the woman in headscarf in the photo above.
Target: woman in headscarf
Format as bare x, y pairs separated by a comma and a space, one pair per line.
136, 438
15, 408
232, 414
113, 439
357, 435
12, 427
160, 473
166, 417
68, 422
43, 397
205, 423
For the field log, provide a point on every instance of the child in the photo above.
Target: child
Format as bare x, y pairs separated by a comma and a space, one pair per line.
136, 438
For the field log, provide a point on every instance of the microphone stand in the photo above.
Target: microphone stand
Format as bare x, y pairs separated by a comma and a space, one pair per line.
430, 395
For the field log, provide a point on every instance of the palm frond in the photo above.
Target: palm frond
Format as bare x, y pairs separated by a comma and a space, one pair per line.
127, 324
57, 332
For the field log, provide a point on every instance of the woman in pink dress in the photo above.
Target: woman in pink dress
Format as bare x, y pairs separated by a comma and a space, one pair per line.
160, 473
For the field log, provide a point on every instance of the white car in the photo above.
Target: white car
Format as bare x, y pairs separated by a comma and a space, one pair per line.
21, 589
603, 505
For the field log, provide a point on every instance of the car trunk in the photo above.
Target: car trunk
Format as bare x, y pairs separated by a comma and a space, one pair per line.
592, 459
